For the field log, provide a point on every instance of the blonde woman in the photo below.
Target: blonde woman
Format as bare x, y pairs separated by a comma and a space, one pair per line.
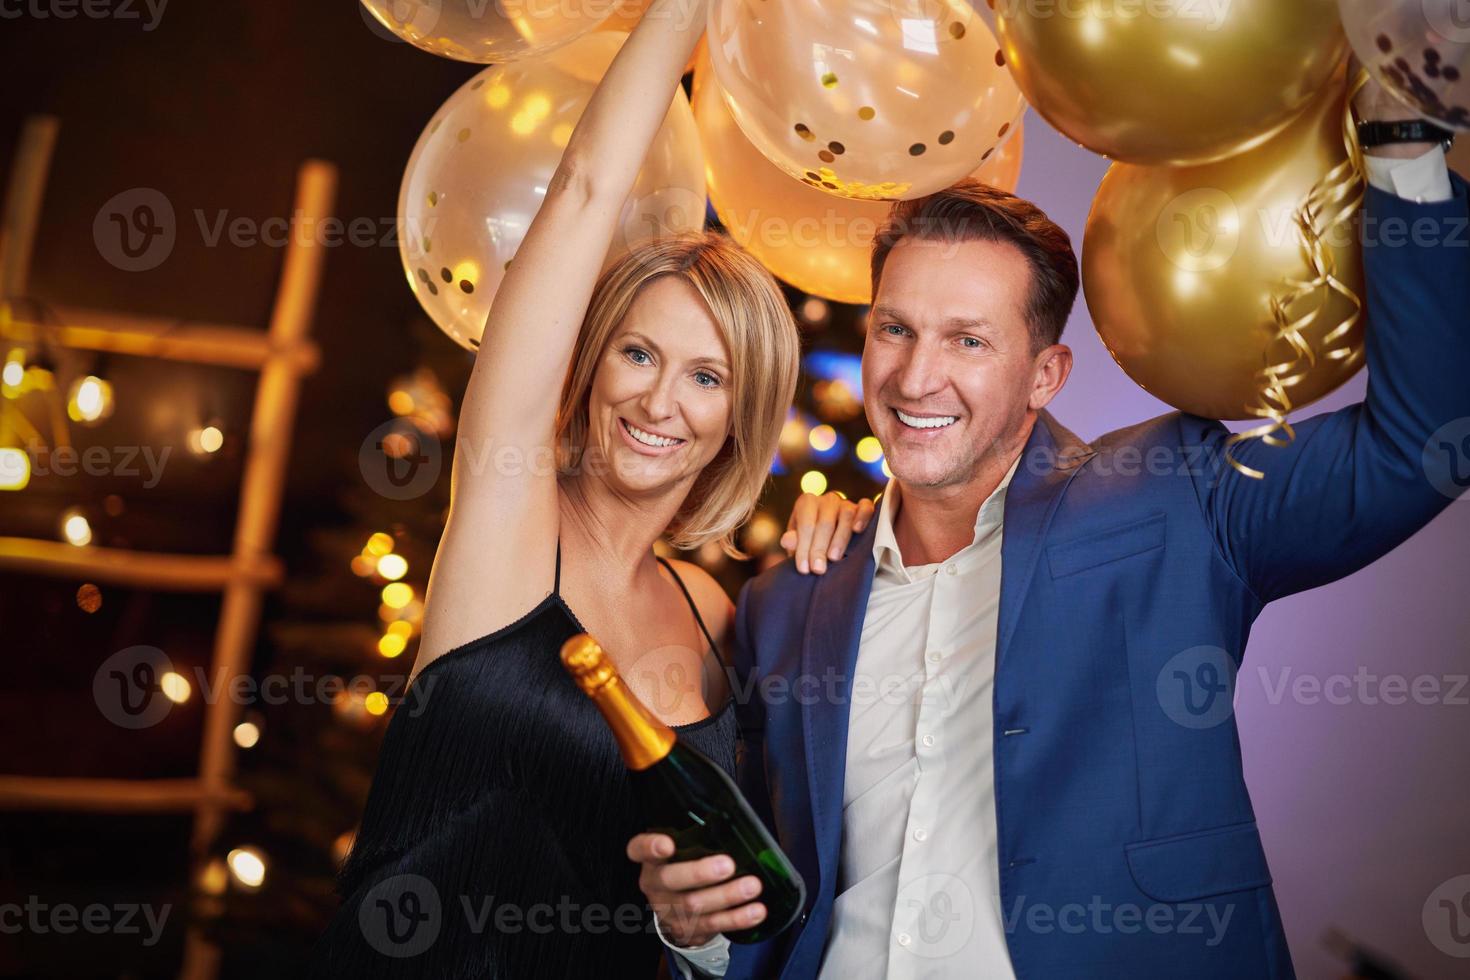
493, 840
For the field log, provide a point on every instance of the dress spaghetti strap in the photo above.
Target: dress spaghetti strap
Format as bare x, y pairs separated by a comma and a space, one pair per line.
556, 583
690, 599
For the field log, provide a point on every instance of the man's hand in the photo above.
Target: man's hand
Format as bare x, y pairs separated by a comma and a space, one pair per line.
694, 900
1374, 103
821, 527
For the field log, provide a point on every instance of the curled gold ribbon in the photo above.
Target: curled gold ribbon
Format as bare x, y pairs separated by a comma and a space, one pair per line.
1334, 200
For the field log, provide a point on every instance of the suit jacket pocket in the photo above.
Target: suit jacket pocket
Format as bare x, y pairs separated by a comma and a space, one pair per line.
1107, 545
1187, 867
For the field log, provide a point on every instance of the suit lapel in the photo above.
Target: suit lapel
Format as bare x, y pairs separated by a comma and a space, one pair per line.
1052, 457
834, 627
839, 603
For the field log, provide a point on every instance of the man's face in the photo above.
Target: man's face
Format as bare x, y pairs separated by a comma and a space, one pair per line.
950, 377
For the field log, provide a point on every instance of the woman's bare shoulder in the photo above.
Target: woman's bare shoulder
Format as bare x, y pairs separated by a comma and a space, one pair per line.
714, 604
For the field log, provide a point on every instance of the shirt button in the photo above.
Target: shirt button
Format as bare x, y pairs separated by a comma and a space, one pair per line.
951, 569
921, 835
904, 939
928, 740
934, 656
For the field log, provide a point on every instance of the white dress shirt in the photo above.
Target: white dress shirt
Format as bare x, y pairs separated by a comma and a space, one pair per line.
918, 888
918, 893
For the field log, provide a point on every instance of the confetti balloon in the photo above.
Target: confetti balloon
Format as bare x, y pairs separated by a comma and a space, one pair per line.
867, 99
627, 16
1180, 266
1419, 51
1172, 81
488, 31
816, 241
480, 170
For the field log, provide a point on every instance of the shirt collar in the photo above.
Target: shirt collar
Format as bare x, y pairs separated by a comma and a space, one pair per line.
885, 542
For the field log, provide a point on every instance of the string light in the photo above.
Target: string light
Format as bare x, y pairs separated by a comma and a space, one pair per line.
814, 481
207, 440
379, 544
392, 567
13, 375
247, 734
396, 595
869, 449
822, 438
75, 528
248, 866
15, 468
90, 400
376, 703
391, 645
175, 687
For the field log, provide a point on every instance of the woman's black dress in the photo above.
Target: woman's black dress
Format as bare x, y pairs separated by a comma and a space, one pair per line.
493, 842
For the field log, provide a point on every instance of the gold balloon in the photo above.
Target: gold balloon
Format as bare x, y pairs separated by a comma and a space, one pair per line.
867, 99
817, 242
479, 173
1180, 265
1170, 81
488, 31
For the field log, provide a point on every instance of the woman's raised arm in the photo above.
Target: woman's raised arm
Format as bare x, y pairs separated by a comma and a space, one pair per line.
503, 513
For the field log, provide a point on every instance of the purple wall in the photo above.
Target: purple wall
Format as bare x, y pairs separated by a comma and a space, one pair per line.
1364, 807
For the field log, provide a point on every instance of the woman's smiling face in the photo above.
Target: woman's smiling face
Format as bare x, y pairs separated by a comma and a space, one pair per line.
660, 404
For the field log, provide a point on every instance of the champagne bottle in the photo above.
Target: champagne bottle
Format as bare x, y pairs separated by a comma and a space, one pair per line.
687, 796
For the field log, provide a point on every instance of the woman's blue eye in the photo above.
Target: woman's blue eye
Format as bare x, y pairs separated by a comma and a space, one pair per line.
634, 353
706, 380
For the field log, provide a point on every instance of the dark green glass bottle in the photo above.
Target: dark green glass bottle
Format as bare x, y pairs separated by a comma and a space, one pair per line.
687, 796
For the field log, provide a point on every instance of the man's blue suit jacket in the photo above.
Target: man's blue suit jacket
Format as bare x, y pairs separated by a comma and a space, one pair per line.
1132, 570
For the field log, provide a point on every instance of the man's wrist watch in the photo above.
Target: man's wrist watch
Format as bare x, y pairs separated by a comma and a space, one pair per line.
1377, 133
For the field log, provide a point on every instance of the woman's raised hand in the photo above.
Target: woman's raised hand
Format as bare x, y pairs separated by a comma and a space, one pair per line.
821, 527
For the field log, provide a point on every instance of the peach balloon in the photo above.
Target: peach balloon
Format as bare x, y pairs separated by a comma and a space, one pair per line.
816, 241
479, 173
866, 99
488, 31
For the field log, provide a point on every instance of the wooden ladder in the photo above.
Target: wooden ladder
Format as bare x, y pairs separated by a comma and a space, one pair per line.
282, 355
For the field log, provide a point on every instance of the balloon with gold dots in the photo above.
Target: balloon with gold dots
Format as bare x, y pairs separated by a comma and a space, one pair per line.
481, 168
485, 32
868, 99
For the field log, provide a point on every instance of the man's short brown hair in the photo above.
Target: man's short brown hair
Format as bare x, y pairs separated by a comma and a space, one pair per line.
971, 210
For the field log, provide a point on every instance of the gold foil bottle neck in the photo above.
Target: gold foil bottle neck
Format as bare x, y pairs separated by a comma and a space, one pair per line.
642, 738
587, 662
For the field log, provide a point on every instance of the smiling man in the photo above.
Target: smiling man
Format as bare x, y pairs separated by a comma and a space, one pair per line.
1021, 759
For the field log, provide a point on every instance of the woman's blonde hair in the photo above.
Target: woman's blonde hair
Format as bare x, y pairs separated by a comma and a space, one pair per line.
756, 324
